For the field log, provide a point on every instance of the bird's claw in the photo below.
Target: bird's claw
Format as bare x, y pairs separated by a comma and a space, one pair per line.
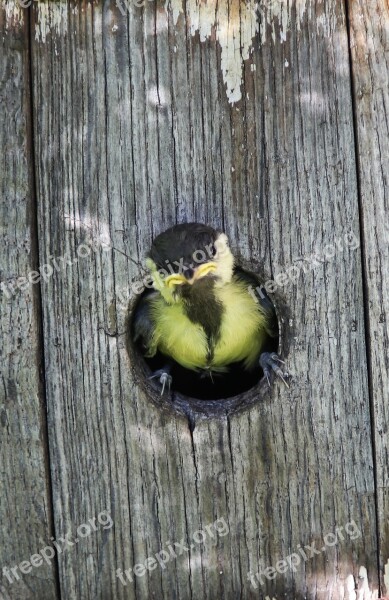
270, 361
164, 379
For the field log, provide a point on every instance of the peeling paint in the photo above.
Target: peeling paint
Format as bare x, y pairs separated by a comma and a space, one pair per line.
349, 593
237, 24
275, 17
50, 18
176, 8
235, 33
359, 591
364, 591
13, 14
386, 577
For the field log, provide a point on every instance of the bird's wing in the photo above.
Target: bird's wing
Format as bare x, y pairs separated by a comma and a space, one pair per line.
143, 325
264, 301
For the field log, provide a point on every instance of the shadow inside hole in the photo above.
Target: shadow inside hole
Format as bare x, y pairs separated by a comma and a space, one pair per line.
203, 386
200, 385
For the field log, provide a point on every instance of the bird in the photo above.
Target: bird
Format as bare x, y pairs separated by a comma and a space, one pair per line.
200, 310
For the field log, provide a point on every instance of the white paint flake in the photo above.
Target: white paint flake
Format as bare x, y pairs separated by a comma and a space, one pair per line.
234, 24
237, 24
348, 592
386, 577
360, 590
176, 8
52, 17
235, 30
364, 591
13, 14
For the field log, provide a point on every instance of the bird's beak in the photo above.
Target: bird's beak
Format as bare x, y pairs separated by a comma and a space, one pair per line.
201, 271
190, 275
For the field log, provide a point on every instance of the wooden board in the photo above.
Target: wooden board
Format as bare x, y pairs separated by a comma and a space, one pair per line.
25, 504
242, 120
370, 53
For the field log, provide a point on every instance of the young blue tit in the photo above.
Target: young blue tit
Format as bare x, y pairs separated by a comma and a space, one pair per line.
202, 312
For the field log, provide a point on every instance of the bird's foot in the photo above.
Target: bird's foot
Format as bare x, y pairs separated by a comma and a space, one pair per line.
270, 361
165, 379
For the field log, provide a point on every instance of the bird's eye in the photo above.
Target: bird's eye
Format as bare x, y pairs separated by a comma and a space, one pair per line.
213, 250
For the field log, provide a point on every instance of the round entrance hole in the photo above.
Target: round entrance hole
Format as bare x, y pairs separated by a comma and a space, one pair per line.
195, 394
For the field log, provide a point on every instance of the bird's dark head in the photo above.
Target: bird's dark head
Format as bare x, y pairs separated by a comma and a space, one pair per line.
186, 254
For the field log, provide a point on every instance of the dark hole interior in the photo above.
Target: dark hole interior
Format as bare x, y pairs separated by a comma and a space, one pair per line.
201, 385
221, 385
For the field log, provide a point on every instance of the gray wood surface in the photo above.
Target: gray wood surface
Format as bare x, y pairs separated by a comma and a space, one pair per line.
240, 116
135, 129
25, 505
370, 53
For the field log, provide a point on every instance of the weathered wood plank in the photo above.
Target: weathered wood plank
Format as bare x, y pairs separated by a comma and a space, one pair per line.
149, 117
369, 27
25, 505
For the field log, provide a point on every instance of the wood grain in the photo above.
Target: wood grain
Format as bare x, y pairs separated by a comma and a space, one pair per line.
369, 26
25, 505
135, 131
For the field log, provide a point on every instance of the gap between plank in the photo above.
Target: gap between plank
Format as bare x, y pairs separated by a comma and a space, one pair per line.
365, 287
37, 291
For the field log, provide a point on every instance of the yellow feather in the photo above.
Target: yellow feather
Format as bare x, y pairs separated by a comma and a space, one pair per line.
241, 336
243, 326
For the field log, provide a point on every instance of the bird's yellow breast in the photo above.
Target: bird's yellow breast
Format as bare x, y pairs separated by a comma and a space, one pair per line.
242, 331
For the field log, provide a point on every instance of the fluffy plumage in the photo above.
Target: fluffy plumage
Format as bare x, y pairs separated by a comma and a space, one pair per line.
201, 314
